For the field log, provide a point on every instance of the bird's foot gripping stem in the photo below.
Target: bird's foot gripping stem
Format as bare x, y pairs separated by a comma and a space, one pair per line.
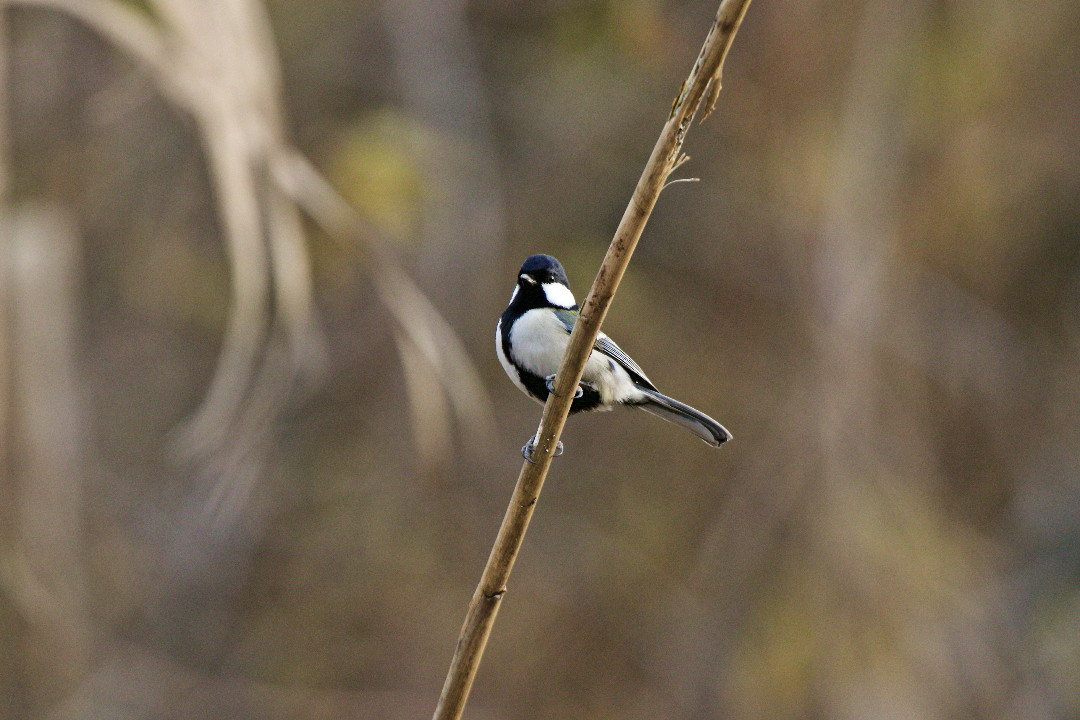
527, 450
578, 392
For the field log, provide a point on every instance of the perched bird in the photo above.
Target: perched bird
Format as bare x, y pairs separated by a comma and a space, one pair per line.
532, 336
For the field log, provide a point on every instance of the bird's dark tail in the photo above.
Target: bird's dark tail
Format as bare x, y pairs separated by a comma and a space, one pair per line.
685, 416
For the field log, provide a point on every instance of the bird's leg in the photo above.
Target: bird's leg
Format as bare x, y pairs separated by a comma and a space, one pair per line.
550, 382
526, 451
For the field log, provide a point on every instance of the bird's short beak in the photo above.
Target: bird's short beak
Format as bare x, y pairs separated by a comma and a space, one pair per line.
527, 279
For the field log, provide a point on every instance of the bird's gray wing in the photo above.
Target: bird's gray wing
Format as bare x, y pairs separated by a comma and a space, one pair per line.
608, 347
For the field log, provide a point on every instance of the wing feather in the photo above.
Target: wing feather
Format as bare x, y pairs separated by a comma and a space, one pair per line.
607, 346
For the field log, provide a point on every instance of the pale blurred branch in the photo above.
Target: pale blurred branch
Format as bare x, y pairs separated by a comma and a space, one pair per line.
421, 327
699, 90
427, 405
216, 60
45, 573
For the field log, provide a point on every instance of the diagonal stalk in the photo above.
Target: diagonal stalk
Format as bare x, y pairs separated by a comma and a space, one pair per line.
699, 89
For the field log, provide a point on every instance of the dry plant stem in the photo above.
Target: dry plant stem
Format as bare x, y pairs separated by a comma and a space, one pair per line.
700, 88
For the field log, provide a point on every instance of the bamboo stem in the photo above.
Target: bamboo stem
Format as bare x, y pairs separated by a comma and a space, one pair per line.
699, 89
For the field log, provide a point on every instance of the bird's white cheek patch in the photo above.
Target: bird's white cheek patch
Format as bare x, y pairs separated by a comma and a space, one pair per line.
559, 295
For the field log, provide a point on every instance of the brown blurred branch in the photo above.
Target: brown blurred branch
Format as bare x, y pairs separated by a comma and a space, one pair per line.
699, 89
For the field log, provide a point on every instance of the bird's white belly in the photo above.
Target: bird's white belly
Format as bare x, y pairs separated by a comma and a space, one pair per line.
539, 340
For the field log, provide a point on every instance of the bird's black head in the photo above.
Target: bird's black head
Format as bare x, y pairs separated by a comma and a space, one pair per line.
542, 269
542, 282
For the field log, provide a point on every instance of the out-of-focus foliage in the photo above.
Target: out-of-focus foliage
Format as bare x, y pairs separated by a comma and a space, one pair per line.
875, 285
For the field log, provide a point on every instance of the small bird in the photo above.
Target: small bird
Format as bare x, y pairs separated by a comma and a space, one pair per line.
532, 336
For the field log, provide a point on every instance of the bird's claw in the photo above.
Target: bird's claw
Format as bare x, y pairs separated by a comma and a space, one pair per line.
527, 449
550, 382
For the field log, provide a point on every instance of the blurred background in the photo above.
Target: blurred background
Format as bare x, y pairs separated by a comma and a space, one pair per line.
255, 442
